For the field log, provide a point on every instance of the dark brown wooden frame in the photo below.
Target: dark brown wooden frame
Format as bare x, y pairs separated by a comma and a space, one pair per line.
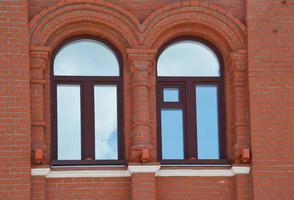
87, 106
190, 127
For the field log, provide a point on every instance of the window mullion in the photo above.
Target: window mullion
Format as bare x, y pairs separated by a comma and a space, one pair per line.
191, 139
88, 145
221, 118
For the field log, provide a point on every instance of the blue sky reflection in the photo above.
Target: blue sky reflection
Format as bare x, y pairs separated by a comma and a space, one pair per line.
172, 133
188, 58
207, 122
86, 57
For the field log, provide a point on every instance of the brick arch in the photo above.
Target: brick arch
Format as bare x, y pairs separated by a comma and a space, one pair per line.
58, 23
63, 15
191, 29
213, 20
228, 34
85, 29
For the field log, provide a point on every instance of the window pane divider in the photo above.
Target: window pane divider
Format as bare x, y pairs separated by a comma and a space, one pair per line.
191, 120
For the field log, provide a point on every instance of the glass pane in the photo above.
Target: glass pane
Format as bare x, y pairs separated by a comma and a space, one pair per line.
188, 58
171, 95
207, 122
172, 134
69, 122
106, 143
86, 57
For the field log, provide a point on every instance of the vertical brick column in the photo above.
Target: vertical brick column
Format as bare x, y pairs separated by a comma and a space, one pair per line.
243, 191
141, 62
39, 187
143, 186
239, 85
143, 182
39, 61
271, 83
15, 129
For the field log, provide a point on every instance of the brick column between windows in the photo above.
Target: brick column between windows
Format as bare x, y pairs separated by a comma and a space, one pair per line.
243, 187
39, 62
241, 130
240, 102
143, 186
141, 62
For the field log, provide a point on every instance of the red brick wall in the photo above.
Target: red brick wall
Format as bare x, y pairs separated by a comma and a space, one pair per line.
88, 188
271, 80
143, 9
14, 101
80, 188
271, 91
188, 188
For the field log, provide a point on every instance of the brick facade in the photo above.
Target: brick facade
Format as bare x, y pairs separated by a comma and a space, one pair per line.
256, 40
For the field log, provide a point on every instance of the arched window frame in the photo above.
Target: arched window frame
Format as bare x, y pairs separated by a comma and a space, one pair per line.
87, 106
190, 146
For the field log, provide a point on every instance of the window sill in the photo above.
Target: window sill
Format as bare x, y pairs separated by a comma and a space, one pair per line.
159, 171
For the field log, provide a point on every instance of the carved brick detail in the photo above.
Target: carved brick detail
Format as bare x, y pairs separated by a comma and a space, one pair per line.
141, 64
39, 63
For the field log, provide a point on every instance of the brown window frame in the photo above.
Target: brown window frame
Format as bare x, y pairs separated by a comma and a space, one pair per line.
87, 84
188, 104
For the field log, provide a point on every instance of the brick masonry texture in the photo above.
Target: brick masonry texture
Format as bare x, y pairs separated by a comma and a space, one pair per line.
271, 79
256, 40
15, 144
143, 8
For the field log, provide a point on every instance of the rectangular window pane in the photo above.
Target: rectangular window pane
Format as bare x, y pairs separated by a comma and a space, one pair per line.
172, 134
207, 122
68, 122
106, 142
171, 95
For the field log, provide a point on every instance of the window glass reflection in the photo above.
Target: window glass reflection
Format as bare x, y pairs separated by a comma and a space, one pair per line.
105, 97
86, 57
69, 122
188, 58
171, 95
207, 122
172, 134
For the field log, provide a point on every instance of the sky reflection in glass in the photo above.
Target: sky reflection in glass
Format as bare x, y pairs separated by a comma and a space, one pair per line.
188, 58
69, 122
105, 97
171, 95
172, 134
207, 122
86, 57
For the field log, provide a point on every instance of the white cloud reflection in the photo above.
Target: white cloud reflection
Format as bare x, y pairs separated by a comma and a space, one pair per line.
69, 122
105, 122
86, 57
188, 58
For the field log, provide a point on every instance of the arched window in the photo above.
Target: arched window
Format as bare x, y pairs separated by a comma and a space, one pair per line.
86, 86
189, 84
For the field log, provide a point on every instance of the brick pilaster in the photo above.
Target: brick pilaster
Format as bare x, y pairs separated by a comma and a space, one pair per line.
141, 62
